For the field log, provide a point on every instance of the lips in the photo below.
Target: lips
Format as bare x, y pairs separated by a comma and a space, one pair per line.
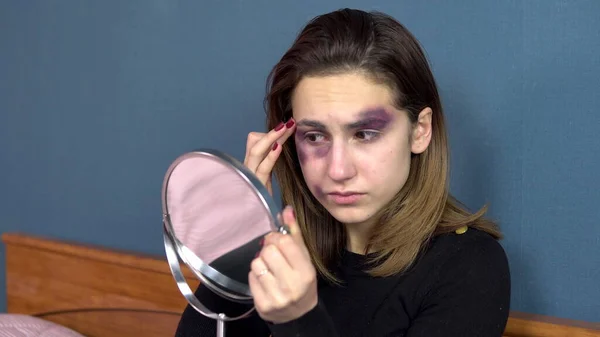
344, 194
345, 198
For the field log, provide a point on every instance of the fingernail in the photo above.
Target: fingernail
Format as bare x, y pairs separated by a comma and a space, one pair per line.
290, 123
275, 146
257, 254
262, 241
279, 126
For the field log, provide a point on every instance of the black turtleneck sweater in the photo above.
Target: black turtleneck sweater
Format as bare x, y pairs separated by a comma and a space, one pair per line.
459, 286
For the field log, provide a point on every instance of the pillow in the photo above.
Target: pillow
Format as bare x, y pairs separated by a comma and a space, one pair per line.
17, 325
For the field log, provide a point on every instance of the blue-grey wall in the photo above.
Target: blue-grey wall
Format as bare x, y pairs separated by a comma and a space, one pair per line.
98, 97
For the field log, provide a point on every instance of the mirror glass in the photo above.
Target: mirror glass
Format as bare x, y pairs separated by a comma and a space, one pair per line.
215, 213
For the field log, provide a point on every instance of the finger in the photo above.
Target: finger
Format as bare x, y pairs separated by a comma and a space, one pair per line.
253, 138
257, 153
265, 168
295, 253
290, 128
265, 278
272, 238
263, 298
275, 262
260, 149
259, 295
289, 219
292, 248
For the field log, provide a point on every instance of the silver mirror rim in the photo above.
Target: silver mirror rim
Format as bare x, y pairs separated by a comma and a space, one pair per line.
212, 278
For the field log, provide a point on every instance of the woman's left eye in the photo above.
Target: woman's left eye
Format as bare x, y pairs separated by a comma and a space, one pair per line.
367, 135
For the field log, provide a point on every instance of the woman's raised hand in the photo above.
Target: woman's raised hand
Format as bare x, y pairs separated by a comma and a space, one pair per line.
263, 149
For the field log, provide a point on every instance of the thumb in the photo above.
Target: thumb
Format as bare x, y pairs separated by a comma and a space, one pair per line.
289, 219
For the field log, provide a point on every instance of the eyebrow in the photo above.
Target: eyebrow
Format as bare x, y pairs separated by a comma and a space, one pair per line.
377, 119
312, 124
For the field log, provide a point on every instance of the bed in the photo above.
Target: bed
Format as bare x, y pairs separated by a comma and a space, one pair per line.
100, 292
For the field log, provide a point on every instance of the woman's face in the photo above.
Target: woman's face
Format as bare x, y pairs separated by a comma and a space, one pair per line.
354, 147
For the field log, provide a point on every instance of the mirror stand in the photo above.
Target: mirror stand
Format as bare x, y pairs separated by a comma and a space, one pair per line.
221, 325
173, 256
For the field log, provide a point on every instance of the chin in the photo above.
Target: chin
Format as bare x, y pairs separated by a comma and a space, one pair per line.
349, 214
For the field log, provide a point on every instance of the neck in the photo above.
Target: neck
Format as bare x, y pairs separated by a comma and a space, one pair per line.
357, 236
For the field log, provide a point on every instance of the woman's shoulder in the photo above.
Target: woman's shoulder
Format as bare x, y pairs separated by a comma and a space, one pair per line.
470, 251
466, 241
460, 275
464, 260
466, 237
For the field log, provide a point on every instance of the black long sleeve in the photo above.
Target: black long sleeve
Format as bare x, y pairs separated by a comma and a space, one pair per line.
471, 296
316, 323
459, 286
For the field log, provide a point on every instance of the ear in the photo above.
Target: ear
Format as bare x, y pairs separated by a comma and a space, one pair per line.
421, 132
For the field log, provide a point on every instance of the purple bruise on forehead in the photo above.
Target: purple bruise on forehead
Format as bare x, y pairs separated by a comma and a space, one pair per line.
376, 119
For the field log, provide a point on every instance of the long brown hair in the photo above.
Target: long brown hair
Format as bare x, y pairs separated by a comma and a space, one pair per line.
376, 45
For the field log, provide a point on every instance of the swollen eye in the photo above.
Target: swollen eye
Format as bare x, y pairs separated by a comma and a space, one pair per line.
367, 135
314, 137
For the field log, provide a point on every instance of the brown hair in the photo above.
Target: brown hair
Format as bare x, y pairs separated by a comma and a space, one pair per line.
376, 45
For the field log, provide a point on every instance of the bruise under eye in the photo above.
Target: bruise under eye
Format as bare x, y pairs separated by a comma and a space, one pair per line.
306, 149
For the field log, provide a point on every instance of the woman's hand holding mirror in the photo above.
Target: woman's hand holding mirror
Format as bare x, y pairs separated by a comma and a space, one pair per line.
263, 149
282, 279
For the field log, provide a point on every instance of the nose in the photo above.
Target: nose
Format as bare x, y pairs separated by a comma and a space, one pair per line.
341, 164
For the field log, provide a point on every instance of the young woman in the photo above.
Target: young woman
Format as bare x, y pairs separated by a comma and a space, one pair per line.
378, 247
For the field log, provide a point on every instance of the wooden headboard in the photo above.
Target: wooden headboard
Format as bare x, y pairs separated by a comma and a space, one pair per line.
107, 293
97, 292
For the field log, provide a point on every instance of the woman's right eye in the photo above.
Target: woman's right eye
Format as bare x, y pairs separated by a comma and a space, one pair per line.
314, 137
